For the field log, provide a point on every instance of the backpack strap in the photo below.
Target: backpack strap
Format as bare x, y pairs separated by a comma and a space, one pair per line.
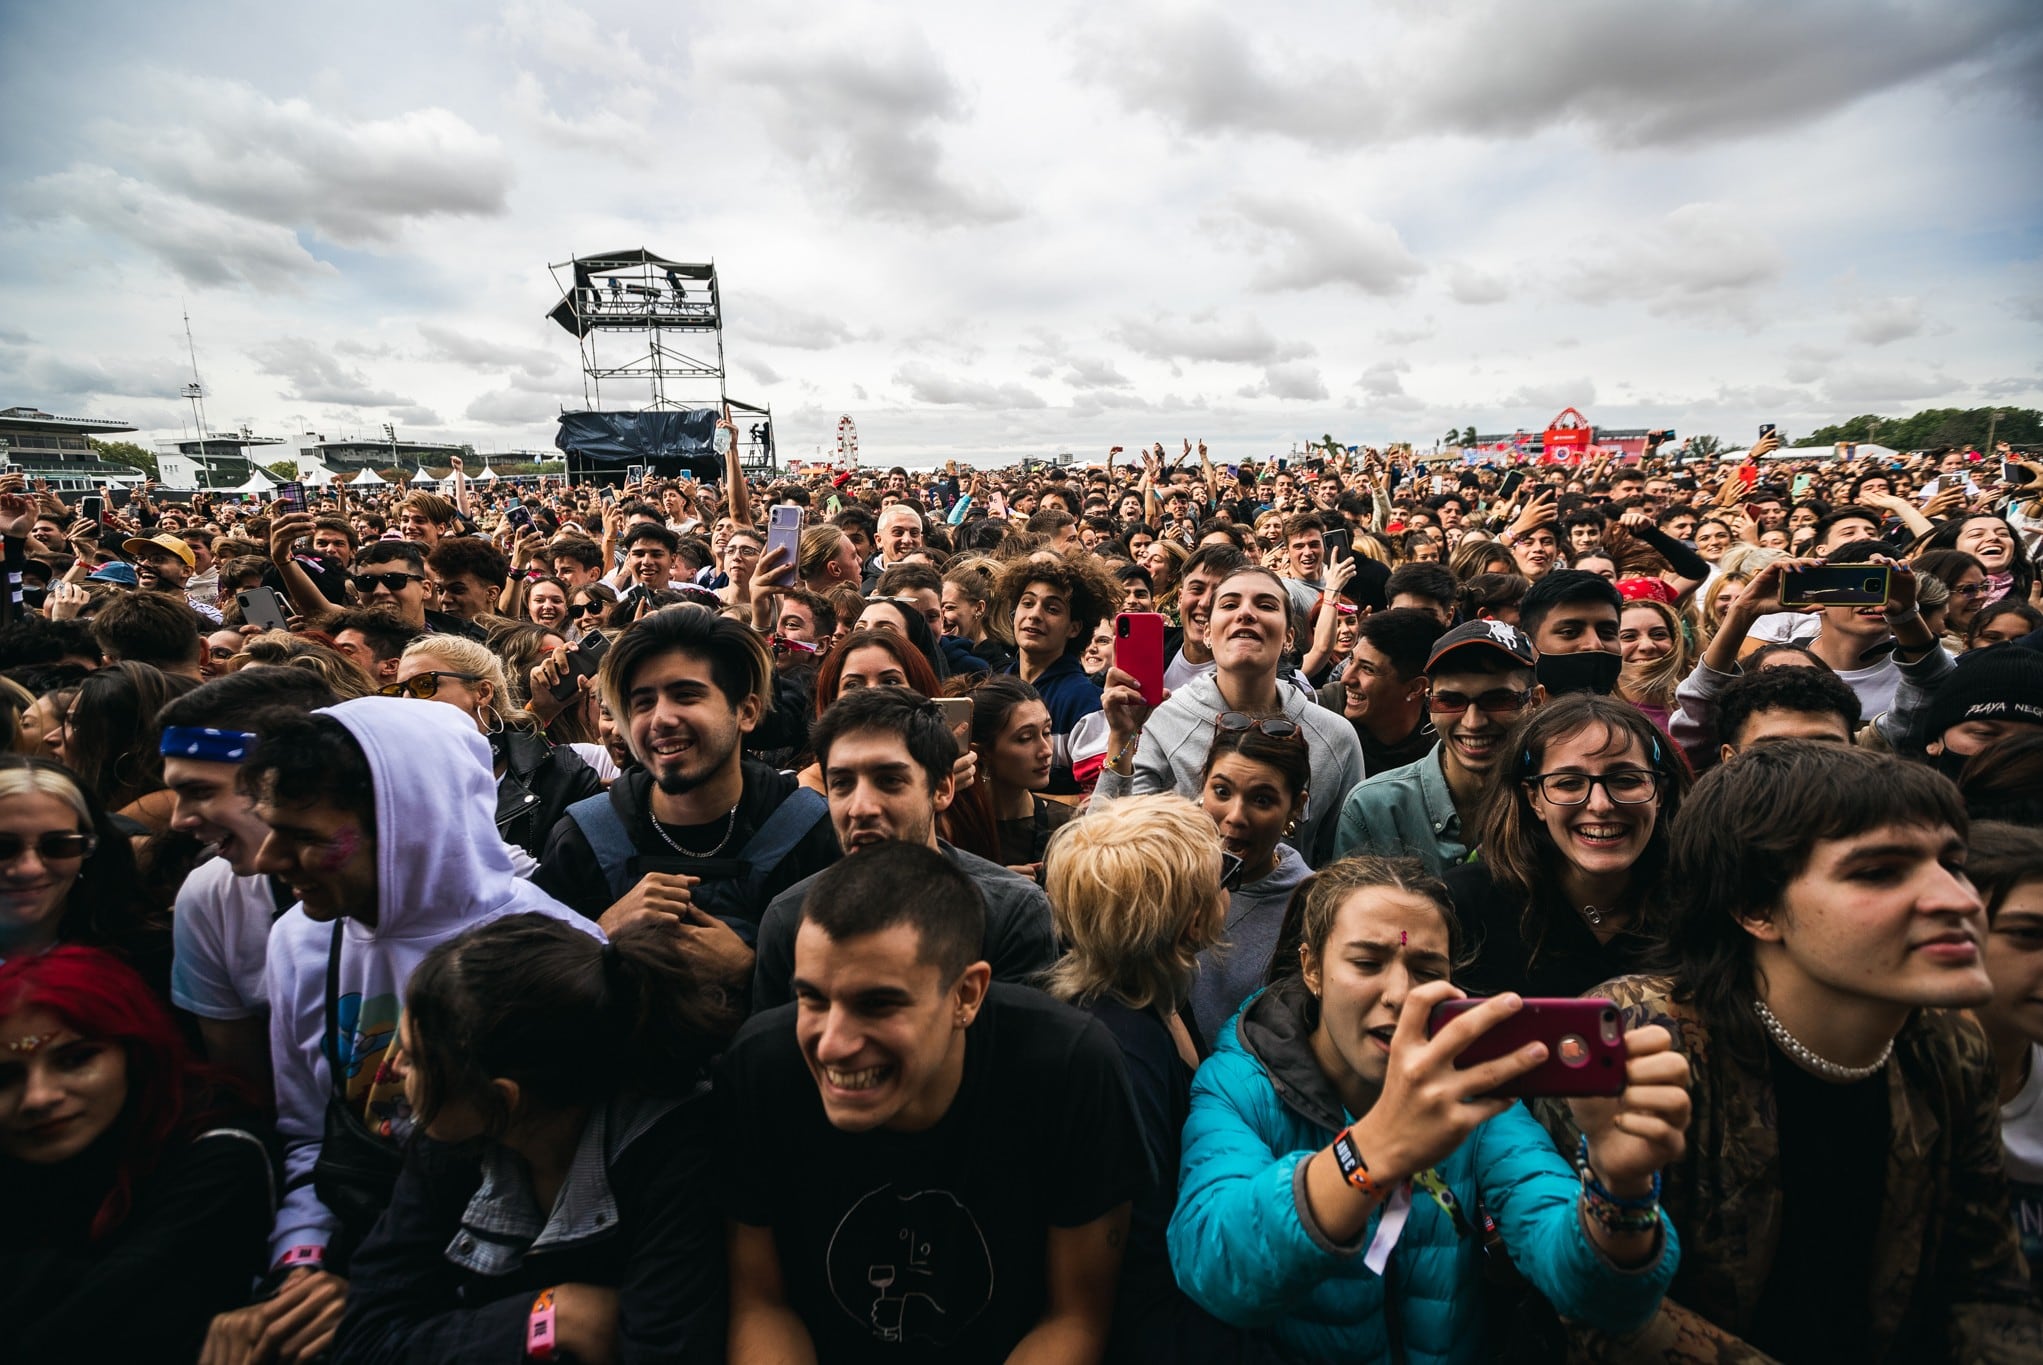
597, 818
740, 901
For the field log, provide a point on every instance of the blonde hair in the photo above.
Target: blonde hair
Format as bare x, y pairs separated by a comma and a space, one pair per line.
27, 780
281, 649
467, 656
1135, 895
1655, 687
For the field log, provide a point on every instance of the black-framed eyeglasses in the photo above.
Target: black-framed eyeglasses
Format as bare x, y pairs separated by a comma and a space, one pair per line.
1500, 701
1276, 727
369, 582
1626, 786
424, 686
56, 846
592, 607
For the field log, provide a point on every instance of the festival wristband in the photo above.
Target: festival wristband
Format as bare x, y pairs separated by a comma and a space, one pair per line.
299, 1257
541, 1342
1354, 1169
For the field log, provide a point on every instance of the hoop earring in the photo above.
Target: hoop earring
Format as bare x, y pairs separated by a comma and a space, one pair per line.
497, 717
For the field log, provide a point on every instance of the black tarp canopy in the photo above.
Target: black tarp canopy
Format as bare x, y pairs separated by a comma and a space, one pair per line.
666, 440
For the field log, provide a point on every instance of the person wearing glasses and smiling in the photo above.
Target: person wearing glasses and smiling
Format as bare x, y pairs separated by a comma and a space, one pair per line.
389, 575
1479, 677
1566, 892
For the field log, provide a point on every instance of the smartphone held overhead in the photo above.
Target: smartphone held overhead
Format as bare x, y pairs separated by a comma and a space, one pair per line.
1837, 585
1138, 652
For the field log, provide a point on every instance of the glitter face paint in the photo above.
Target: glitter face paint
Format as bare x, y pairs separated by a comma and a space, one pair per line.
340, 851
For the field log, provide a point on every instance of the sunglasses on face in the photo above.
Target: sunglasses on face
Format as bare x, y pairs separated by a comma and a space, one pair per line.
424, 686
53, 847
1500, 702
590, 608
366, 583
1276, 727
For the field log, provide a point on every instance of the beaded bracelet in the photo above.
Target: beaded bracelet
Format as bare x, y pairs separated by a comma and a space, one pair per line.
1611, 1212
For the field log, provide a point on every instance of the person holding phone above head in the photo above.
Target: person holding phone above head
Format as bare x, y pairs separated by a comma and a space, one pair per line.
1848, 1201
1569, 887
1340, 1173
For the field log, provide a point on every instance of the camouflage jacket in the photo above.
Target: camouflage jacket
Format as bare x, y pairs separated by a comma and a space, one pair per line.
1949, 1283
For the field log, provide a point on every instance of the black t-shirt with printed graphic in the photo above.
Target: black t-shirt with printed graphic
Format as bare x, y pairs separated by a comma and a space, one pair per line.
931, 1246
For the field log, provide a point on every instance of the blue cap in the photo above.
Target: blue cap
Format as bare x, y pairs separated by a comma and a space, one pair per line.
114, 571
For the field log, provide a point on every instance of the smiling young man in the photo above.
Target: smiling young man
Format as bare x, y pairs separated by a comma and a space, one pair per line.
887, 757
697, 835
380, 818
1383, 691
1851, 1205
220, 931
469, 573
1479, 678
927, 1165
1054, 603
163, 563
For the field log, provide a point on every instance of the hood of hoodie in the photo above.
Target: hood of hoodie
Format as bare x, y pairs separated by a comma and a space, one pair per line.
1275, 1027
440, 863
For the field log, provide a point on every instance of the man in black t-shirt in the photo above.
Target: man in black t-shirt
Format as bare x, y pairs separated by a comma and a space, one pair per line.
926, 1165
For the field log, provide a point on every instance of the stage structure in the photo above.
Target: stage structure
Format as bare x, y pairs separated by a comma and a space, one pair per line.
643, 320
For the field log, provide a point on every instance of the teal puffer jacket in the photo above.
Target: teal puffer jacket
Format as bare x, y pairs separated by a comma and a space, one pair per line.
1243, 1249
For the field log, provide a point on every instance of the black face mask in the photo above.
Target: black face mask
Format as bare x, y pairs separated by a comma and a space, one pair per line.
1950, 764
33, 597
1594, 671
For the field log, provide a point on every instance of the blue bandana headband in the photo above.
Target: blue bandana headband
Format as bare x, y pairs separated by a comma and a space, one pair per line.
207, 744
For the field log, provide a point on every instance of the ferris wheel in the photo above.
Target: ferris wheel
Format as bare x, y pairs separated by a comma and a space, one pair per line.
847, 442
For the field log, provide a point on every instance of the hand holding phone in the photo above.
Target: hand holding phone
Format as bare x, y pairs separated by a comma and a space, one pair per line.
1583, 1039
1138, 652
262, 607
583, 659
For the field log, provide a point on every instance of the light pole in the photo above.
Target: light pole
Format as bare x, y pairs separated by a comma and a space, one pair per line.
1992, 425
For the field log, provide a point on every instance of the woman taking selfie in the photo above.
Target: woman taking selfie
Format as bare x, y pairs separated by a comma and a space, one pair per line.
563, 1183
137, 1208
1336, 1157
1574, 845
1011, 736
1254, 789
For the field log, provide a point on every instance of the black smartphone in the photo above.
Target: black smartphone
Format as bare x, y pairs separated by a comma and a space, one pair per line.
92, 507
2013, 474
1765, 430
1837, 585
1512, 480
1340, 544
262, 607
584, 657
1667, 435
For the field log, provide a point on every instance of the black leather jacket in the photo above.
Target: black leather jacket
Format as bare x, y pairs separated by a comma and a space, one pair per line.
539, 783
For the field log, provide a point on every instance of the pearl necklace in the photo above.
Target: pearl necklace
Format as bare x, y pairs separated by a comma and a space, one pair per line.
1809, 1061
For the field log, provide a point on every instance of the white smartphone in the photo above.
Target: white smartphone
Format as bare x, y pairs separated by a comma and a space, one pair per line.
784, 528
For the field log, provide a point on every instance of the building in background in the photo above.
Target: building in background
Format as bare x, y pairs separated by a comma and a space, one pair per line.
56, 450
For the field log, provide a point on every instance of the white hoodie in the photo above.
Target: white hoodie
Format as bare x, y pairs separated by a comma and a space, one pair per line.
441, 868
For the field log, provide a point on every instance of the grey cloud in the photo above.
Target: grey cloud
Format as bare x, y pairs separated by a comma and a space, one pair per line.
1297, 380
1553, 396
1088, 373
1315, 246
1382, 380
1663, 74
769, 322
446, 344
1699, 259
1241, 340
1999, 389
315, 376
115, 377
925, 385
862, 106
1468, 285
1868, 385
759, 371
571, 39
1883, 320
412, 415
203, 244
1406, 336
287, 163
513, 406
617, 125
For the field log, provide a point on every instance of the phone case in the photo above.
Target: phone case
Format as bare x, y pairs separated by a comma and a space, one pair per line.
1138, 650
1584, 1038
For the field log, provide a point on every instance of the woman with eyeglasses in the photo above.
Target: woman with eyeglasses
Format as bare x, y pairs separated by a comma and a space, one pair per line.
590, 607
138, 1194
1567, 892
1254, 788
1966, 578
66, 873
536, 781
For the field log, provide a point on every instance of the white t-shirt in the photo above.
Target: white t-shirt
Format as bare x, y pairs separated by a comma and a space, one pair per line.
598, 757
2021, 1124
220, 937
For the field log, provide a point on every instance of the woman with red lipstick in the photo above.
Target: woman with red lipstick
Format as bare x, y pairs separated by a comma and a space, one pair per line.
136, 1207
1567, 889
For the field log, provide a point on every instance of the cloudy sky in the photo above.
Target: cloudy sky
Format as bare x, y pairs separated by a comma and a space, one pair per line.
1033, 228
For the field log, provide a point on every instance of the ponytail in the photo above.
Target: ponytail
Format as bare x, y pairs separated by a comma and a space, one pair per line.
531, 999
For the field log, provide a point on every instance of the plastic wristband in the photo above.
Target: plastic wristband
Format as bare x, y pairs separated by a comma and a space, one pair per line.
298, 1257
540, 1341
1354, 1169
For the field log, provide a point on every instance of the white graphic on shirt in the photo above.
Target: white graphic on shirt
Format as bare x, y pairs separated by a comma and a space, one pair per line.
910, 1267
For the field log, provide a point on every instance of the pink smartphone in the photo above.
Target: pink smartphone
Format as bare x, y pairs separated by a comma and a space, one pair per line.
1584, 1043
1138, 650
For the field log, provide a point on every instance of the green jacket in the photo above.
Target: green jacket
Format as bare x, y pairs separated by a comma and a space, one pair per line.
1949, 1282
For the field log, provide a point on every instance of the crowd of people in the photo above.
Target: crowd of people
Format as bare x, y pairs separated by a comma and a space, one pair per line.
587, 922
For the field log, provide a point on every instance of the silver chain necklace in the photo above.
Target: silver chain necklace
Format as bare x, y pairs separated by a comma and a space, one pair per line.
668, 839
1809, 1061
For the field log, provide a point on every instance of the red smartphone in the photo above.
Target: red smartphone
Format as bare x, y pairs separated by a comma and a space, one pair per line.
1584, 1043
1138, 650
